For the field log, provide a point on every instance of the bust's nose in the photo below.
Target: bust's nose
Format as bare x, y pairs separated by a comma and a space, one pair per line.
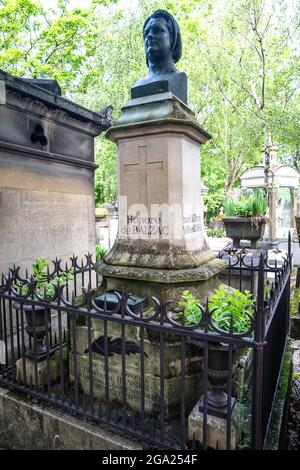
150, 34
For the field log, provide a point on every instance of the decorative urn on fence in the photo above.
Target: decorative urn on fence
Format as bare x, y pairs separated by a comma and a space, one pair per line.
38, 324
245, 218
229, 313
40, 286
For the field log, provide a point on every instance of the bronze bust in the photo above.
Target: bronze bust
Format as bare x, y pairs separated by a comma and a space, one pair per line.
163, 48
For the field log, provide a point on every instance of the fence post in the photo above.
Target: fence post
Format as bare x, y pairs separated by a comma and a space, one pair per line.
257, 438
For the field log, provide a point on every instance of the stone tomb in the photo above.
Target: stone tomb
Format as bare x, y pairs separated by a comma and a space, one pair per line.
46, 173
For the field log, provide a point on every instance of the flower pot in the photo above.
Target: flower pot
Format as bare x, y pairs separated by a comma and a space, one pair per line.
245, 228
36, 328
218, 374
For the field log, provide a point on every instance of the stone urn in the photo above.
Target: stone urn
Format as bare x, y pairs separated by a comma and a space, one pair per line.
218, 374
245, 228
36, 330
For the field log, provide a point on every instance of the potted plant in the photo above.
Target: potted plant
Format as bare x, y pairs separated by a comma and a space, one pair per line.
245, 218
38, 317
229, 312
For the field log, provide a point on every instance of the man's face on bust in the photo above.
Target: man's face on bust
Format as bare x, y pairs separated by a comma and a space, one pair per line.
157, 39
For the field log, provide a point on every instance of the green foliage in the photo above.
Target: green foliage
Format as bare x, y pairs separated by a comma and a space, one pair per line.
225, 307
295, 299
192, 312
253, 205
241, 417
100, 252
267, 289
45, 284
213, 201
215, 232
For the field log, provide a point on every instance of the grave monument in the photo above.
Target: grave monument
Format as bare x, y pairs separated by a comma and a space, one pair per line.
161, 248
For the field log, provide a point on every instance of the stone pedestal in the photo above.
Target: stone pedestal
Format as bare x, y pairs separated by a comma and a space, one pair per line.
161, 247
216, 430
36, 373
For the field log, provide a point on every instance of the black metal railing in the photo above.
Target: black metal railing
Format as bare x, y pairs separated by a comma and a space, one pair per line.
138, 366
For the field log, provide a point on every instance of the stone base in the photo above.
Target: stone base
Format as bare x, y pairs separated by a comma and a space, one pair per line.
152, 402
165, 284
40, 427
36, 373
216, 430
172, 382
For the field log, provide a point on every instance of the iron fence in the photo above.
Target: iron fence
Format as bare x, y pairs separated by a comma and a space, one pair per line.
137, 365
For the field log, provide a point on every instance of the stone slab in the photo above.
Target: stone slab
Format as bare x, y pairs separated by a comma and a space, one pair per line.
41, 427
152, 384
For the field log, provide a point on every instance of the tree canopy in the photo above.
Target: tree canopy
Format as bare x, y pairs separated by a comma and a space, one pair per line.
241, 58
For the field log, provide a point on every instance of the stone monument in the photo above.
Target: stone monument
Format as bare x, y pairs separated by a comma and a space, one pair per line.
161, 247
46, 172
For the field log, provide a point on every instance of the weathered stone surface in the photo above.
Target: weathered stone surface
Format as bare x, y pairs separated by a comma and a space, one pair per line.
42, 427
164, 291
155, 107
171, 353
36, 374
216, 430
152, 384
208, 266
46, 189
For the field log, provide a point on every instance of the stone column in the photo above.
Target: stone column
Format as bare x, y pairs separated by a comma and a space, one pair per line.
273, 216
294, 208
161, 246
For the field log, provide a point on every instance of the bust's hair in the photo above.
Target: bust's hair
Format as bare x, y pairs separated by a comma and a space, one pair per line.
174, 31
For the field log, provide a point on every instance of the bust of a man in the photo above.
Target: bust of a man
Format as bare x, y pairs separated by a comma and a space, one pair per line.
163, 48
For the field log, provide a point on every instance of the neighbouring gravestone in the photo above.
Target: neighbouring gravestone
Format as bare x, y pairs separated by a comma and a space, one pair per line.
47, 172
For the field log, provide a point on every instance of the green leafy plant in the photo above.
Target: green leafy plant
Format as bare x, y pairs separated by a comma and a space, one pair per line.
295, 299
44, 284
242, 416
192, 312
253, 205
100, 252
225, 307
267, 289
215, 232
